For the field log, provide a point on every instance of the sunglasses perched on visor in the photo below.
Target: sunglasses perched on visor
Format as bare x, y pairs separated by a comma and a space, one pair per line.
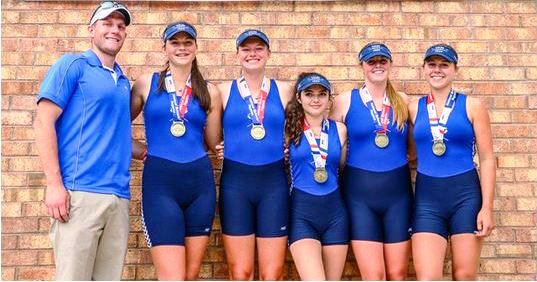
108, 7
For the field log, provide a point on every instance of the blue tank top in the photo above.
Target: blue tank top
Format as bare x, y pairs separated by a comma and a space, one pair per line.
239, 146
157, 118
302, 165
459, 140
362, 151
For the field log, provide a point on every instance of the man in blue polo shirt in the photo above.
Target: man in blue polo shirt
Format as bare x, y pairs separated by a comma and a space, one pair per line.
83, 136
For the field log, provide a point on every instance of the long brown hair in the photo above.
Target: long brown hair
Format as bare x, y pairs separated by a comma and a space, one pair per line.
294, 115
199, 85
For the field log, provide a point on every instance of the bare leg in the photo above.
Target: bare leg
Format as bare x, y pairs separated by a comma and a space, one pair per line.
396, 256
195, 249
271, 257
370, 259
169, 262
466, 250
334, 257
307, 255
240, 252
428, 253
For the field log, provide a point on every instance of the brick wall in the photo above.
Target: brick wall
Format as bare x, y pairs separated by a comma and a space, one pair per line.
496, 40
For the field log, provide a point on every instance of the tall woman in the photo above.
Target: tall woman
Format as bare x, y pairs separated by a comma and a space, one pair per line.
181, 111
254, 196
376, 180
452, 201
318, 227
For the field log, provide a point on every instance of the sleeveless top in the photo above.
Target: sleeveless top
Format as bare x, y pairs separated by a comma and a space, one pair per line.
239, 145
459, 140
158, 119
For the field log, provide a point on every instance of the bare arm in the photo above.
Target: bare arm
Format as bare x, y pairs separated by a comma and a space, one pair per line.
342, 132
213, 130
478, 114
56, 196
139, 94
286, 92
411, 146
340, 106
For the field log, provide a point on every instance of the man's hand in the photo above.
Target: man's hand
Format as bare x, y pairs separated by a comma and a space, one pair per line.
220, 150
57, 201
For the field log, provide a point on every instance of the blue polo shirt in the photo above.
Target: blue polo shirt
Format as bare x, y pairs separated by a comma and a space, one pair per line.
94, 130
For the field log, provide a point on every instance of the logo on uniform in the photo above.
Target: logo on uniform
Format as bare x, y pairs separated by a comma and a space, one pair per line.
375, 48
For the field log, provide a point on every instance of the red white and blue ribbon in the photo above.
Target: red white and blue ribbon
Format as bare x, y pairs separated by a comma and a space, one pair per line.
438, 125
256, 113
178, 108
381, 123
319, 151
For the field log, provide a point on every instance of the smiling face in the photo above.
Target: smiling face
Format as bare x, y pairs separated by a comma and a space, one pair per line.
315, 100
107, 35
376, 69
439, 72
180, 49
253, 54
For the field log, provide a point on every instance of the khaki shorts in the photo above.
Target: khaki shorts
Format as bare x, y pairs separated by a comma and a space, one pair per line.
93, 243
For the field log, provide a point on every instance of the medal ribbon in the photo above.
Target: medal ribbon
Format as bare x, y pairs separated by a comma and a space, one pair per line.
381, 123
179, 109
256, 113
438, 126
318, 151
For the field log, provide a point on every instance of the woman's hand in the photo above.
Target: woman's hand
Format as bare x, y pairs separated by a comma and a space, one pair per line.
485, 222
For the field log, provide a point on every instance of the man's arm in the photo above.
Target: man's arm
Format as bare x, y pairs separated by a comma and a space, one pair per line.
56, 196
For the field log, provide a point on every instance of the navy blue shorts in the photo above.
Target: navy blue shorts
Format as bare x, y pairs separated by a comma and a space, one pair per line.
447, 205
254, 199
379, 203
323, 218
178, 200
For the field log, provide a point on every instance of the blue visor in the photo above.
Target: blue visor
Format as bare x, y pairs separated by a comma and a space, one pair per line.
313, 79
372, 50
252, 33
443, 50
172, 30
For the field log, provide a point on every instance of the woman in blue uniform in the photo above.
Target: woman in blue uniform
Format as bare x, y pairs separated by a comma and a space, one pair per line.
376, 180
318, 226
452, 201
181, 111
254, 196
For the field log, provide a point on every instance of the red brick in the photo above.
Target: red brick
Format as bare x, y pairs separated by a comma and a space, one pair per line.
36, 273
526, 235
498, 266
9, 242
18, 257
8, 273
129, 272
19, 225
145, 272
526, 266
45, 257
38, 17
13, 179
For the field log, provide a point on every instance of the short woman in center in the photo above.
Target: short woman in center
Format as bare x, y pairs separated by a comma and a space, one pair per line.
376, 179
254, 195
318, 226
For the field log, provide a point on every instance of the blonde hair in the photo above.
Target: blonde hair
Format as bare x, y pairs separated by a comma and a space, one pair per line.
400, 109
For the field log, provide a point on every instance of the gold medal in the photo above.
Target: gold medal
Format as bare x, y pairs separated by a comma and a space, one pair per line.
382, 140
178, 128
320, 175
257, 132
439, 148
